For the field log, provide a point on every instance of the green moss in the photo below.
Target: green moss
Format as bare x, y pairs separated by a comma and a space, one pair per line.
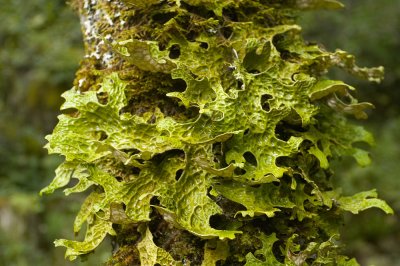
210, 120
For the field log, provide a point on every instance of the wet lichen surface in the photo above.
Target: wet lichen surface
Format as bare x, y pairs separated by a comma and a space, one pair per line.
204, 131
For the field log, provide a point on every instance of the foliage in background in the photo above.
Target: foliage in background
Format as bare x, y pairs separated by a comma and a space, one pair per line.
373, 36
249, 170
40, 49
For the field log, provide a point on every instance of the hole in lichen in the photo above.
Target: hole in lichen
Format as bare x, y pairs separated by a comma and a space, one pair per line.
124, 110
158, 158
277, 248
178, 174
131, 151
290, 126
137, 109
229, 207
135, 170
72, 182
264, 102
226, 32
278, 41
239, 84
229, 13
199, 10
204, 45
162, 46
152, 120
141, 161
102, 135
308, 189
123, 206
192, 112
191, 36
119, 178
218, 221
72, 112
209, 193
253, 71
155, 201
306, 144
246, 132
218, 152
281, 131
239, 171
174, 51
179, 85
194, 76
250, 158
283, 161
102, 97
288, 56
162, 18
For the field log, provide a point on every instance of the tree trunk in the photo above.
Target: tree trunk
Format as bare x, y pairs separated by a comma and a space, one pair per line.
204, 131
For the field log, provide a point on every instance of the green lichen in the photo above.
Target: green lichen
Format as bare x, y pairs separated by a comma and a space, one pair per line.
217, 120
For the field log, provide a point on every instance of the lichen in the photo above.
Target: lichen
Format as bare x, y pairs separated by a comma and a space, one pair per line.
213, 121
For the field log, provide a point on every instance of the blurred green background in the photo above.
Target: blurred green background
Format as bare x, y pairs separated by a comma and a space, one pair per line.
370, 30
40, 49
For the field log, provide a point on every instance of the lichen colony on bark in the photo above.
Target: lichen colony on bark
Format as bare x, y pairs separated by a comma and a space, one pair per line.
204, 131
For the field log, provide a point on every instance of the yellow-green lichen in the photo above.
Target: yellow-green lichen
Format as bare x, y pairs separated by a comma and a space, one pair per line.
215, 116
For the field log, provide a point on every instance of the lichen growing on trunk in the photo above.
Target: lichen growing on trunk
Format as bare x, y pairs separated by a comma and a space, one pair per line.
204, 131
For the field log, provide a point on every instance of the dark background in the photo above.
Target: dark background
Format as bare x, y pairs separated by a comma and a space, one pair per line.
40, 49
